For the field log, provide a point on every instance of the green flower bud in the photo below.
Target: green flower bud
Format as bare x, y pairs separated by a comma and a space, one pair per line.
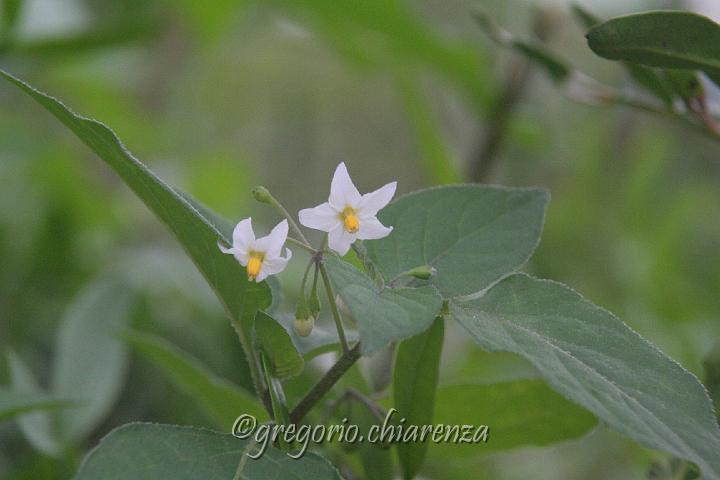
262, 194
423, 272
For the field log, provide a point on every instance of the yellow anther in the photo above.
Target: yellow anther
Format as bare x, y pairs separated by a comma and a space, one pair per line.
254, 264
350, 220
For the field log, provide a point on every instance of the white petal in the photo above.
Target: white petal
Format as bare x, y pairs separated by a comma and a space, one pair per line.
272, 244
373, 202
323, 217
372, 229
274, 265
342, 190
339, 240
243, 235
240, 255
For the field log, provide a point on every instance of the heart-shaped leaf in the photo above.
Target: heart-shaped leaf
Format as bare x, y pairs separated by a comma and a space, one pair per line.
594, 359
144, 451
472, 234
382, 315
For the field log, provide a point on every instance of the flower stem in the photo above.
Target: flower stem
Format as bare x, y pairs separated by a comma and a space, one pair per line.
331, 300
283, 211
302, 245
317, 392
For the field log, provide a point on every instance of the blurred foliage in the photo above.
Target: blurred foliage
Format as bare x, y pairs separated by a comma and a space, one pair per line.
283, 91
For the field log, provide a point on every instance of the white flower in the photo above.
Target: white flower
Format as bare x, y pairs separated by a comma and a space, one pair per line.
347, 215
260, 256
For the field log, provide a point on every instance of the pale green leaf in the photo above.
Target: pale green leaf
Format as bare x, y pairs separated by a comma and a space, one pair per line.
472, 234
382, 315
518, 413
597, 361
90, 363
415, 380
143, 451
219, 398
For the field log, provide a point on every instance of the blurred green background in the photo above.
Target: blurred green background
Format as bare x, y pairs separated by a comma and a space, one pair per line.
219, 96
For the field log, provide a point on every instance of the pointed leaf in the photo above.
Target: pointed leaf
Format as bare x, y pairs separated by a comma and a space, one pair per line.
144, 451
382, 315
220, 399
594, 359
472, 234
415, 380
272, 338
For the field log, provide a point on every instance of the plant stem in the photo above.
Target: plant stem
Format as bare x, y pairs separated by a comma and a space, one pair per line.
333, 306
317, 392
279, 207
302, 245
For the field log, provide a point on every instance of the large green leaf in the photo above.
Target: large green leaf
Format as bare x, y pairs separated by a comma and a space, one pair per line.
220, 399
13, 403
472, 234
415, 380
518, 413
37, 426
594, 359
142, 451
194, 226
667, 39
382, 315
90, 363
283, 358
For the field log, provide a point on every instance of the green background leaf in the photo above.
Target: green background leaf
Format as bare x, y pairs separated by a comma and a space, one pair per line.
660, 39
220, 399
415, 379
472, 234
284, 359
383, 315
13, 403
142, 451
593, 358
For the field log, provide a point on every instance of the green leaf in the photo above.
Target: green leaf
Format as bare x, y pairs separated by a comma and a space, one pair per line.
382, 315
711, 369
194, 226
647, 78
415, 380
36, 427
666, 39
283, 358
14, 403
472, 234
142, 451
518, 413
535, 52
11, 10
219, 398
90, 363
595, 360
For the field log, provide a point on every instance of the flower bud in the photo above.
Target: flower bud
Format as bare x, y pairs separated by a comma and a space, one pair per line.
304, 326
261, 194
423, 272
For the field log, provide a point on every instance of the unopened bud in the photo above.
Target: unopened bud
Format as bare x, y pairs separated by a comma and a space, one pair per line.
304, 326
423, 272
261, 194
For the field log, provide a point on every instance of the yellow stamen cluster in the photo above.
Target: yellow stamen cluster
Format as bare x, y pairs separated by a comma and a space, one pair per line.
254, 264
350, 220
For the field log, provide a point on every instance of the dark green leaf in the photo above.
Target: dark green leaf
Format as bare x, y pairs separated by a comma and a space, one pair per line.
272, 338
415, 380
219, 398
382, 315
196, 230
90, 363
142, 451
595, 360
666, 39
472, 234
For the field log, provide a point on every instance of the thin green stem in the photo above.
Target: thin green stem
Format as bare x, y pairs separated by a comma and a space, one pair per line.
333, 307
283, 211
302, 245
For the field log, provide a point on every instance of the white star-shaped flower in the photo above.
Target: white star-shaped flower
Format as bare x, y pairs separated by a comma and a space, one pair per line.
347, 215
260, 256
